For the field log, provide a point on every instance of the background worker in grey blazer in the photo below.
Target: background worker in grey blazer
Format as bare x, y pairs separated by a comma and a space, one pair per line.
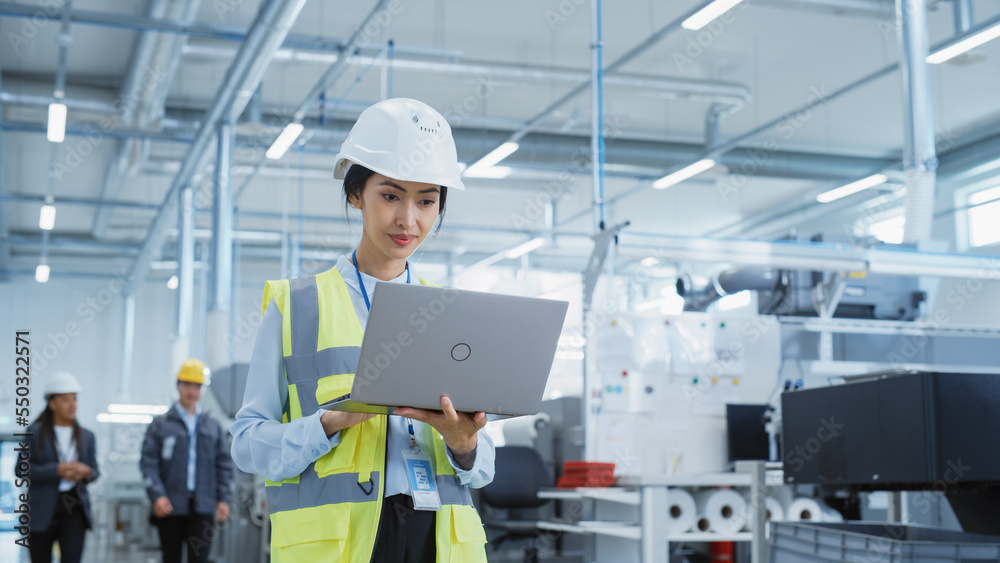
63, 460
187, 471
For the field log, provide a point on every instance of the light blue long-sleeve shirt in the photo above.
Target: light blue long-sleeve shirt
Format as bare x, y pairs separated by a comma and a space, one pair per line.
262, 444
191, 422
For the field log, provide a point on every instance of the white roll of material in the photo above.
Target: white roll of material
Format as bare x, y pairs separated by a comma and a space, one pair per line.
811, 510
721, 510
682, 514
775, 511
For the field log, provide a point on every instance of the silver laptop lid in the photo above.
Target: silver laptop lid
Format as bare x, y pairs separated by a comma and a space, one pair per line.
487, 352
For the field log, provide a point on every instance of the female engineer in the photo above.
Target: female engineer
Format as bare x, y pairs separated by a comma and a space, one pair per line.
338, 485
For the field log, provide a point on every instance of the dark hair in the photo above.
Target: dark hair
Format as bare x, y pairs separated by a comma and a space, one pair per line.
357, 178
47, 421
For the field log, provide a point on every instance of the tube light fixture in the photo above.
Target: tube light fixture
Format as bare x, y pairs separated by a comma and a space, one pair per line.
852, 188
57, 123
689, 171
124, 418
522, 249
280, 145
709, 13
955, 49
42, 273
47, 218
120, 408
489, 161
493, 172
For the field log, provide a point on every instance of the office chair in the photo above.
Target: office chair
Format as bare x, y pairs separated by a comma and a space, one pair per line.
520, 474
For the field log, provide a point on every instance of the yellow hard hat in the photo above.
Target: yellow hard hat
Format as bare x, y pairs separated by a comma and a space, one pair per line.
194, 371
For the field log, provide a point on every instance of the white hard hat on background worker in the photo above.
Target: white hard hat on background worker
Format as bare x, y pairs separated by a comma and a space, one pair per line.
403, 139
61, 382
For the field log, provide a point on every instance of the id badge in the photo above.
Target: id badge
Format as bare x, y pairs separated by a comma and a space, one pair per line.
423, 486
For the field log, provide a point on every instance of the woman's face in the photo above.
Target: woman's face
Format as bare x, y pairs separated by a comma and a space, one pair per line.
63, 406
396, 215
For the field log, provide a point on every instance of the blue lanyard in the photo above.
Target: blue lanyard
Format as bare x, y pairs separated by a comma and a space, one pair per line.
364, 292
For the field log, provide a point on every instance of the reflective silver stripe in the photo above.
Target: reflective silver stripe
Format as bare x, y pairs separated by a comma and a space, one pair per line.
305, 370
452, 491
328, 361
312, 491
304, 306
343, 487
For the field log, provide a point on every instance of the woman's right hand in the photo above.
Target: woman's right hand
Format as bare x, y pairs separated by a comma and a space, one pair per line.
335, 421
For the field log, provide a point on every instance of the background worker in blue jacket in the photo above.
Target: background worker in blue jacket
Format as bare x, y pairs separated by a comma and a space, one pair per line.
186, 468
63, 461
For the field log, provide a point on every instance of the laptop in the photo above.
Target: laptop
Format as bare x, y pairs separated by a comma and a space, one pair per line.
487, 352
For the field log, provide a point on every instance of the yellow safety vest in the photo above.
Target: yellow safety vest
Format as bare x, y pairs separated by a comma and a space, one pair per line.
330, 513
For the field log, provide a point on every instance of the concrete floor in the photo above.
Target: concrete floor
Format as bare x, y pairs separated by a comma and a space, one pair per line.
95, 551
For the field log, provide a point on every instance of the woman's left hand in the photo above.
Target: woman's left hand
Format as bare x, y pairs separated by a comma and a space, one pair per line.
459, 429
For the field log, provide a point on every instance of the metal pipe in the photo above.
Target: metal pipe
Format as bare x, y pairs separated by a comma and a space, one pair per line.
628, 57
63, 40
962, 10
863, 8
4, 227
222, 222
128, 343
328, 77
597, 112
713, 124
202, 309
185, 264
202, 30
817, 98
94, 106
626, 158
919, 153
145, 84
670, 87
270, 27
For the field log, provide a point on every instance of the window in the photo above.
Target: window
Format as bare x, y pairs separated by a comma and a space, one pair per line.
888, 230
984, 217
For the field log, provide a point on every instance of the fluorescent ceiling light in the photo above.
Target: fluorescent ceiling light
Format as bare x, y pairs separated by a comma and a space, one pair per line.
493, 172
125, 418
852, 188
42, 273
569, 355
136, 409
684, 173
734, 301
498, 154
284, 140
649, 262
172, 282
953, 50
522, 249
47, 218
57, 123
709, 13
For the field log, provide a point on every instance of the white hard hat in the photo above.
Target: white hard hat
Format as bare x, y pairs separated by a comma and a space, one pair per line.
61, 382
402, 139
